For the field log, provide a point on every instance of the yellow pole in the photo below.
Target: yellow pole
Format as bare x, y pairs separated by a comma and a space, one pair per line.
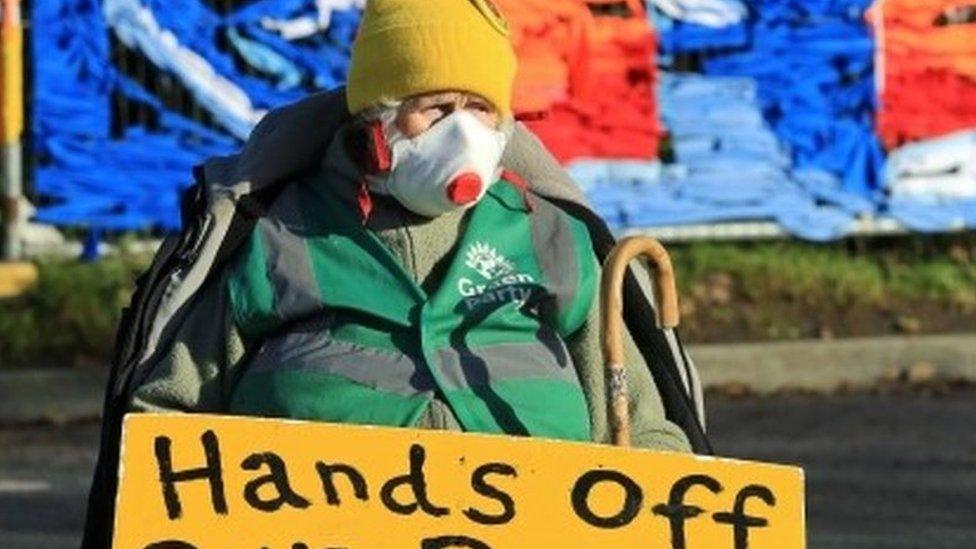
12, 121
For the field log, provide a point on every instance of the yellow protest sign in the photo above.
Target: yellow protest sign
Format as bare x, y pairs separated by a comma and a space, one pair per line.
215, 482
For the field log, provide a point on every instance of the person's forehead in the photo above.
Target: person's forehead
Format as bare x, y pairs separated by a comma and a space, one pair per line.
440, 96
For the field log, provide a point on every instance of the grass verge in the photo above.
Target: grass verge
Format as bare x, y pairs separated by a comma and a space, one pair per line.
71, 312
788, 290
729, 292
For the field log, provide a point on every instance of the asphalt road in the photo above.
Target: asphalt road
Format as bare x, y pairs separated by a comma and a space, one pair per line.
883, 471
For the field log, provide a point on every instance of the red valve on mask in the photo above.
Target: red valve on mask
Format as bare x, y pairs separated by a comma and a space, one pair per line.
464, 189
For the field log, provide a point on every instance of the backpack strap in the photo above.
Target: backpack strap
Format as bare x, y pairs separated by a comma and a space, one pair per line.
175, 252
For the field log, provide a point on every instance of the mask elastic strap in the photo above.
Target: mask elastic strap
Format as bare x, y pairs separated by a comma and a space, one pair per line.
377, 160
365, 201
380, 156
522, 185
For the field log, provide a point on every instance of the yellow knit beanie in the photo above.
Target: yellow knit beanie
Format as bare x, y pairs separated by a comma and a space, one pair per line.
410, 47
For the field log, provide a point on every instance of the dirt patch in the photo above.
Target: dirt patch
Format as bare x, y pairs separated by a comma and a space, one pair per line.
743, 319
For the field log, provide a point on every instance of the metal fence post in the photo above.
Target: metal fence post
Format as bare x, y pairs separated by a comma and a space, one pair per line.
12, 122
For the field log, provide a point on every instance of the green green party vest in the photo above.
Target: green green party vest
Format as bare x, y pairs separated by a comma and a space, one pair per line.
348, 336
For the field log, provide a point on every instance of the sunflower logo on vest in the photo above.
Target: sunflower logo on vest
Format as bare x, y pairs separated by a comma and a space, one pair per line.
487, 261
500, 284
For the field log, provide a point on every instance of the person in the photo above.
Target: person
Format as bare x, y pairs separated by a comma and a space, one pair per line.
417, 259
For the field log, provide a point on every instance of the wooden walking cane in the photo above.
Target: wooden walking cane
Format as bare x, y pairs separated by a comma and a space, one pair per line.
611, 304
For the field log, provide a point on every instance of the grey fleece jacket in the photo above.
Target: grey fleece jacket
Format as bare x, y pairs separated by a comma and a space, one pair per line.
199, 370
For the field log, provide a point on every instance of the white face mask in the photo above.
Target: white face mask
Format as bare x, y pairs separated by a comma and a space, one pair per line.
447, 167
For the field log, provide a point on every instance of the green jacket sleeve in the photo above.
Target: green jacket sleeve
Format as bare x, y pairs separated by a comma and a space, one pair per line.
649, 427
193, 372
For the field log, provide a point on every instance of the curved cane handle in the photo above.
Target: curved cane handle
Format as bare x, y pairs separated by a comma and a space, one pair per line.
611, 304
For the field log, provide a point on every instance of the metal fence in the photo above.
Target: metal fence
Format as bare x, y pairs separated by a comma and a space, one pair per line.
170, 91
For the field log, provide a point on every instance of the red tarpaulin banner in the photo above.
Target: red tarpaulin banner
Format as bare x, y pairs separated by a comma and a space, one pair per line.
926, 63
590, 67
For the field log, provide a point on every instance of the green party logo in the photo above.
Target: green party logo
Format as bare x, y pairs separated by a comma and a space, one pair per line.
499, 283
